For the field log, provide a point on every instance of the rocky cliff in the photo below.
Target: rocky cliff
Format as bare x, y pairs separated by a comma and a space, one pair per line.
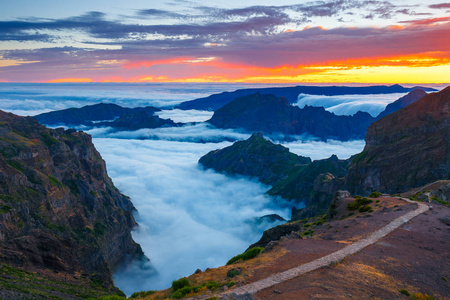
292, 177
59, 210
406, 149
273, 115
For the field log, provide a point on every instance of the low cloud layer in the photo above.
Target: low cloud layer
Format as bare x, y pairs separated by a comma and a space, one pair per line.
199, 133
349, 104
190, 218
320, 150
33, 99
186, 116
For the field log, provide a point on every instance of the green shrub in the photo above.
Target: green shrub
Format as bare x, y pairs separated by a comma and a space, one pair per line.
230, 284
212, 285
233, 272
365, 208
142, 294
180, 283
249, 254
404, 292
359, 202
375, 195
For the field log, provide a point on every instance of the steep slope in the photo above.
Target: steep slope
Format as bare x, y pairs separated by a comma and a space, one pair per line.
89, 113
60, 212
272, 115
292, 177
408, 99
315, 186
216, 101
254, 157
405, 149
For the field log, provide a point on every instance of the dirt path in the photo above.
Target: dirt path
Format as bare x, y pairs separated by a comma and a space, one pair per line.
245, 292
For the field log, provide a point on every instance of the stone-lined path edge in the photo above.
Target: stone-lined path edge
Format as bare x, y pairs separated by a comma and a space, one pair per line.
278, 278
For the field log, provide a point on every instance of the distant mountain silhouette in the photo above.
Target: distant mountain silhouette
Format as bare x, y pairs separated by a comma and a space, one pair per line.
216, 101
106, 114
410, 98
273, 115
89, 113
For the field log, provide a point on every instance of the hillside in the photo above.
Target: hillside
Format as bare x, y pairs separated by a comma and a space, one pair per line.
293, 177
408, 260
216, 101
61, 217
406, 149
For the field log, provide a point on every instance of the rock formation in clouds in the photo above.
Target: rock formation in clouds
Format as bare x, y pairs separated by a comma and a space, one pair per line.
292, 177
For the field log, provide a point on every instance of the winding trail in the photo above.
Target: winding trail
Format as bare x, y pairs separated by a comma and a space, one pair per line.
255, 287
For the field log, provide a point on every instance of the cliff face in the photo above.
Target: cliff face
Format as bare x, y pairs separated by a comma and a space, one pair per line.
59, 209
273, 115
405, 149
292, 177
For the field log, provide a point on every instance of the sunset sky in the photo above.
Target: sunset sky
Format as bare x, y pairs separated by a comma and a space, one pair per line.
283, 41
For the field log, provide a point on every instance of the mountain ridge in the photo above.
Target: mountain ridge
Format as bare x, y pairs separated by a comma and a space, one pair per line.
216, 101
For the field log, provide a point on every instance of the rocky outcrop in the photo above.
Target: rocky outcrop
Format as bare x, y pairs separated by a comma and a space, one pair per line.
59, 210
216, 101
314, 186
272, 115
408, 148
254, 157
292, 177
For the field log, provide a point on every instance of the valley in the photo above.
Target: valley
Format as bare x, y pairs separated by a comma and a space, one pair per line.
193, 219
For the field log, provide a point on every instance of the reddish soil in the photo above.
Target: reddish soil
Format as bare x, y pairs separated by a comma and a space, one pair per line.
415, 257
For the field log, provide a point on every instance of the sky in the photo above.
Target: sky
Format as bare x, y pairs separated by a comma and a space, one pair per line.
341, 41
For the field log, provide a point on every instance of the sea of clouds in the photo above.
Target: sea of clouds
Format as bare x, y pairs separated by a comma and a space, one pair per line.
189, 217
349, 104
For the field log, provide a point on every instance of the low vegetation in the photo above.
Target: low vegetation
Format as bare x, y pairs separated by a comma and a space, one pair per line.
361, 204
375, 194
29, 285
249, 254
